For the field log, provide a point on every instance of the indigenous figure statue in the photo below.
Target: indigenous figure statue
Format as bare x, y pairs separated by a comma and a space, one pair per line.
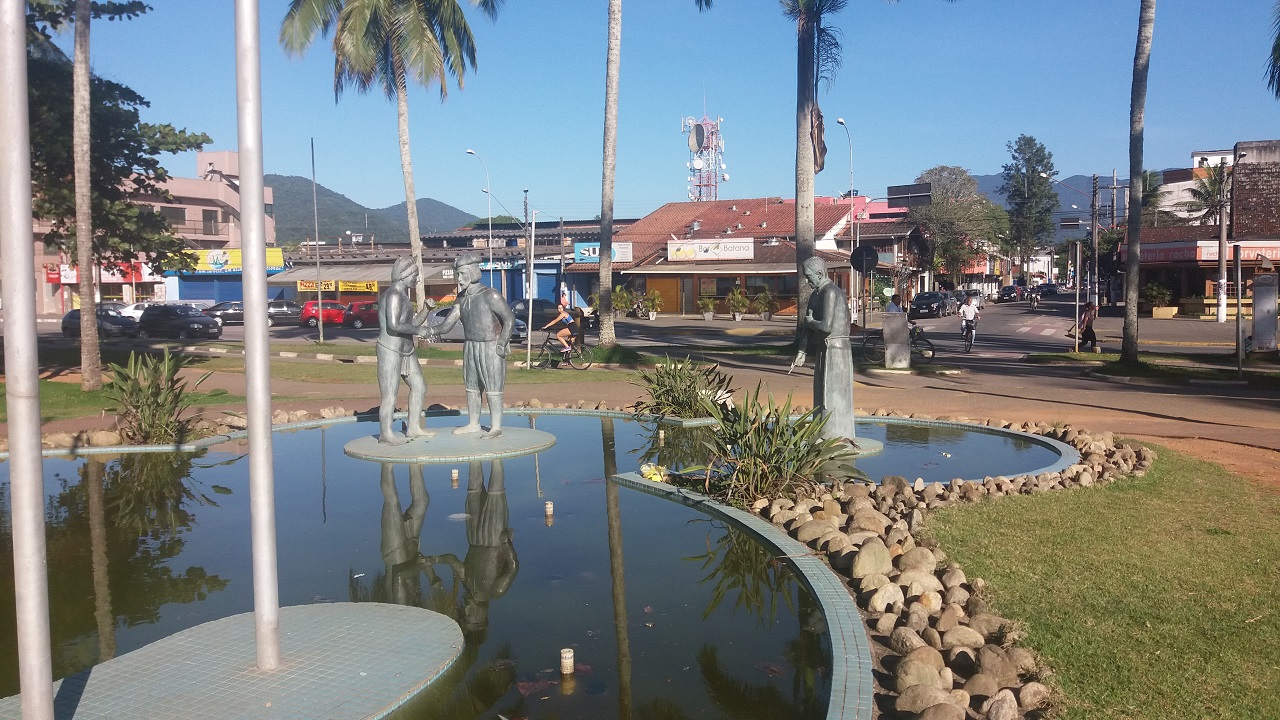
487, 323
826, 325
400, 531
397, 327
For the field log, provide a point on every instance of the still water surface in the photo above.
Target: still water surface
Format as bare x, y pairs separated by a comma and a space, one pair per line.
671, 615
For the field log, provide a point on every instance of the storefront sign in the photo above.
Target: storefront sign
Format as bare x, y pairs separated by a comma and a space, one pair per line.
358, 287
498, 265
310, 286
1199, 251
695, 250
66, 274
589, 252
230, 260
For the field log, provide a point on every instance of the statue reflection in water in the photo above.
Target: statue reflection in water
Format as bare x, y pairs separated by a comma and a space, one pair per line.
400, 532
491, 563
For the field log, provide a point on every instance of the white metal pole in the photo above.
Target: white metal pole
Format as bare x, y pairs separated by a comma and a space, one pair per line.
528, 302
262, 503
22, 389
1222, 241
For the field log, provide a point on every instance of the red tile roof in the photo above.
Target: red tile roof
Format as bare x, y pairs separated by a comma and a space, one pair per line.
758, 217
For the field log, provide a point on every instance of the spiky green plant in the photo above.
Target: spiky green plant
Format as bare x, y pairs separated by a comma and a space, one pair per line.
758, 451
684, 389
152, 398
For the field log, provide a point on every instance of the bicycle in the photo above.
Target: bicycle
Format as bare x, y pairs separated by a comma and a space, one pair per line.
552, 353
970, 330
922, 351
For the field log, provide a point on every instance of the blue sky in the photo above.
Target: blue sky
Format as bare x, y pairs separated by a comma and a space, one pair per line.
923, 83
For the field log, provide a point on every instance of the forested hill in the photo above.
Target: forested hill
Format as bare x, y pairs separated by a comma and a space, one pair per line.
339, 214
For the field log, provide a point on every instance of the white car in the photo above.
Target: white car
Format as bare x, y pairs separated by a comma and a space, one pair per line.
135, 310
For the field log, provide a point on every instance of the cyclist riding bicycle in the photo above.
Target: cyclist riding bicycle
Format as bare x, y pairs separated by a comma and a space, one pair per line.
969, 317
1035, 300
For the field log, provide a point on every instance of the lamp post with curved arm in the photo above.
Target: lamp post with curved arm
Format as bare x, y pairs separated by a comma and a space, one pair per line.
489, 200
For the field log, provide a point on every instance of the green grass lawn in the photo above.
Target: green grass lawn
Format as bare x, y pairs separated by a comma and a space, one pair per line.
1154, 597
60, 400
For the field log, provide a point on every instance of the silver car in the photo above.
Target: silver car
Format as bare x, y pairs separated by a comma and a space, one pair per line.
436, 319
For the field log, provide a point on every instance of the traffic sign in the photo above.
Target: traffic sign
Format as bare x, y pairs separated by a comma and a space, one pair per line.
864, 259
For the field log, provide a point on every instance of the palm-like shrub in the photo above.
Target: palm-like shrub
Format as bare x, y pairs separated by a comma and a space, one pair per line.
684, 389
737, 301
152, 398
706, 304
1156, 294
759, 451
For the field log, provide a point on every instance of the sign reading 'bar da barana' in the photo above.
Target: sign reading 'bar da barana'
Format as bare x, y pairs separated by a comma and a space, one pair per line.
341, 285
692, 250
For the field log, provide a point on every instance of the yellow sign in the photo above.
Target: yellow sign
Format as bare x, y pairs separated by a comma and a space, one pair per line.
352, 286
230, 260
310, 286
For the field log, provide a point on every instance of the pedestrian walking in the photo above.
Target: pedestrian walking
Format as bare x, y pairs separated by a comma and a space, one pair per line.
1085, 325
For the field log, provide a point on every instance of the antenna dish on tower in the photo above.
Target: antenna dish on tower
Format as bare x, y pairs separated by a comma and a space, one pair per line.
706, 149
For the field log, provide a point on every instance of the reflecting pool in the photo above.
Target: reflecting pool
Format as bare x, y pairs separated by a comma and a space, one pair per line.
670, 614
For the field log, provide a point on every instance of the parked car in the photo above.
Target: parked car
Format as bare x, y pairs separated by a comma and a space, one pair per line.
1008, 293
227, 312
1047, 289
544, 311
436, 318
112, 305
180, 321
135, 310
200, 305
937, 304
978, 299
360, 314
283, 312
333, 313
110, 324
960, 296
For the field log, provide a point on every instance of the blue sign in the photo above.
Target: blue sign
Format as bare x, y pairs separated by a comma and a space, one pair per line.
589, 252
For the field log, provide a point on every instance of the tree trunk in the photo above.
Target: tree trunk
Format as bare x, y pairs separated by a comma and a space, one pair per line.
90, 352
1137, 106
617, 576
406, 166
103, 617
806, 33
608, 336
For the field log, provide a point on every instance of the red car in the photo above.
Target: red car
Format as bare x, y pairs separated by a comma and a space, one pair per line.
333, 313
360, 314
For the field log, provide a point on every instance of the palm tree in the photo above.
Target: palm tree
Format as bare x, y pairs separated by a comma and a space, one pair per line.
1137, 107
383, 43
1153, 199
817, 58
613, 58
90, 351
1206, 196
1273, 62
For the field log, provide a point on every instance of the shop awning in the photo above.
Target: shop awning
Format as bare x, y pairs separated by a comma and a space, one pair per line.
433, 273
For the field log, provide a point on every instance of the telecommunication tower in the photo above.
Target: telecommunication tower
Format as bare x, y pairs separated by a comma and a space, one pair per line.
706, 157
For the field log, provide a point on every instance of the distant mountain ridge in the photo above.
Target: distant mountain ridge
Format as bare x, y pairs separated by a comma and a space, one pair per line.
989, 185
339, 214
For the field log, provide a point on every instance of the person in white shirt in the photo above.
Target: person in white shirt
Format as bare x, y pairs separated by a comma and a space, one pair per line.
895, 305
968, 316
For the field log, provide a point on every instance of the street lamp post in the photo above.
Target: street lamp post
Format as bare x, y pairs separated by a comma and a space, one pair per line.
847, 136
489, 200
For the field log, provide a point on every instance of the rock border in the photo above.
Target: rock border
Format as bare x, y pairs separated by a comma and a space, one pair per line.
947, 657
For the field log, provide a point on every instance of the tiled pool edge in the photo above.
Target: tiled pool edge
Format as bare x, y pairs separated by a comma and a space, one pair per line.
852, 686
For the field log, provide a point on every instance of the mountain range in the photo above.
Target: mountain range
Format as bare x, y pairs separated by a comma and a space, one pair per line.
1072, 190
295, 216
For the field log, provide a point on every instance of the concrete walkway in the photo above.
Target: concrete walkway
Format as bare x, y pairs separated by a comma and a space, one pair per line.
340, 660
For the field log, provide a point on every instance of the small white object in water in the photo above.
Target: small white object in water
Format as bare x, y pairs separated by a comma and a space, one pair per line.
946, 454
566, 661
358, 575
459, 516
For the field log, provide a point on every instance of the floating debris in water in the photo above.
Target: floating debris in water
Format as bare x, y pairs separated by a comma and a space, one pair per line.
771, 669
459, 516
357, 575
503, 663
648, 608
946, 454
648, 625
529, 687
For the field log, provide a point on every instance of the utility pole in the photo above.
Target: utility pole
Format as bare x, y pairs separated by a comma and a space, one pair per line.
560, 277
1114, 184
1222, 240
1093, 216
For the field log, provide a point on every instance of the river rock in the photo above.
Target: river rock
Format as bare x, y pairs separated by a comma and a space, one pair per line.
962, 659
917, 618
886, 622
956, 596
949, 617
932, 637
943, 711
930, 601
987, 624
104, 438
909, 673
871, 583
918, 698
953, 577
1032, 696
868, 519
962, 636
926, 580
1002, 706
59, 440
926, 655
917, 558
992, 661
903, 640
885, 597
982, 685
813, 530
872, 558
1023, 661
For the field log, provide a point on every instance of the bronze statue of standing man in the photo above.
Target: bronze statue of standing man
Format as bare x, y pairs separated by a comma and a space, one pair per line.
397, 328
826, 324
487, 323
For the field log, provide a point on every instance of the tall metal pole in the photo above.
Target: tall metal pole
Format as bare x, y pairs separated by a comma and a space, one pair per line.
489, 201
1222, 241
257, 366
1079, 329
1093, 221
848, 137
315, 205
1235, 264
528, 301
22, 388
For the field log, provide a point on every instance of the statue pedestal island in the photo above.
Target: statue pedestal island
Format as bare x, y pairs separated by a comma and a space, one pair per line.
445, 447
